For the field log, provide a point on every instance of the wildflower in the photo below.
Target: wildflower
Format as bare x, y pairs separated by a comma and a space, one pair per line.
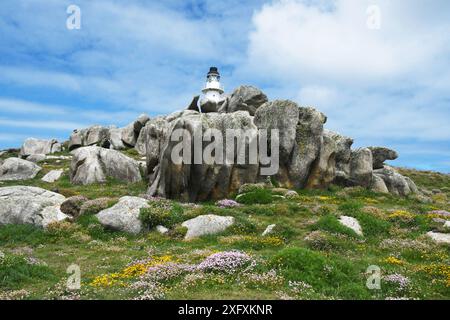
227, 203
297, 287
401, 214
394, 261
270, 278
398, 279
133, 270
34, 261
227, 261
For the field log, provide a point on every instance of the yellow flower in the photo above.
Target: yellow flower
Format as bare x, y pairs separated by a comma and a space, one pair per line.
132, 271
401, 214
394, 261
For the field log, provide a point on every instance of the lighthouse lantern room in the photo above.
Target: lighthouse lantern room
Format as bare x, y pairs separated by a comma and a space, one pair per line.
213, 89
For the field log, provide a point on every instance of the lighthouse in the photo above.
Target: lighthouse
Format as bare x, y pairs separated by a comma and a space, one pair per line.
212, 92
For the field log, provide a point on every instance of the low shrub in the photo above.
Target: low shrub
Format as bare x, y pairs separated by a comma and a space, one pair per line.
95, 206
161, 212
258, 196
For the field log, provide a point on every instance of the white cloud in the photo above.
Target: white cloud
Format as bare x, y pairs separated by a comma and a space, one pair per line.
48, 125
385, 84
297, 40
319, 96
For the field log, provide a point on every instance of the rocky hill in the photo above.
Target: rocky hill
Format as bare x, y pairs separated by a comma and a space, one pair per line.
140, 226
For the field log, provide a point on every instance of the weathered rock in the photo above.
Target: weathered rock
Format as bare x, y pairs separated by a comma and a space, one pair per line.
249, 187
151, 134
381, 154
30, 205
335, 149
244, 98
395, 182
351, 223
52, 176
131, 132
72, 206
18, 169
378, 185
36, 158
94, 165
194, 104
129, 136
96, 205
154, 136
124, 216
115, 139
300, 138
95, 135
439, 237
209, 180
37, 146
361, 169
206, 225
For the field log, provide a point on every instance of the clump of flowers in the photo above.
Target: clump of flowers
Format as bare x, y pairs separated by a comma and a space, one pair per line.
148, 290
403, 244
402, 215
2, 257
133, 270
227, 203
439, 270
168, 271
394, 261
227, 261
34, 261
299, 285
13, 295
401, 281
269, 278
60, 291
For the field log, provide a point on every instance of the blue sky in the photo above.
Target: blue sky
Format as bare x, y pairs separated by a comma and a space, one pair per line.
389, 86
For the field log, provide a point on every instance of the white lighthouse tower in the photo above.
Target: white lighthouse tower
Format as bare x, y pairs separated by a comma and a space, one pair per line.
213, 89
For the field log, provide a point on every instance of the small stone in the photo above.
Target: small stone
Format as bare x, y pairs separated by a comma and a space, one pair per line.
162, 229
351, 223
124, 216
52, 176
206, 225
268, 230
439, 237
72, 206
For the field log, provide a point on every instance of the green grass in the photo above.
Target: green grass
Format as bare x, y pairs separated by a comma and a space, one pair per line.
331, 224
311, 253
15, 271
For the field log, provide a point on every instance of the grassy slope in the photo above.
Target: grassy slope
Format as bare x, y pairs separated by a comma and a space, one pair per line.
313, 256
